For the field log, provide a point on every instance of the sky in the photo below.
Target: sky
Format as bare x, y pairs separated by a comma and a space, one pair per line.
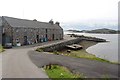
67, 12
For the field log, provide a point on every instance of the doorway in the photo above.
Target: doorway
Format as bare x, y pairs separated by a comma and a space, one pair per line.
25, 40
53, 36
37, 37
3, 39
6, 39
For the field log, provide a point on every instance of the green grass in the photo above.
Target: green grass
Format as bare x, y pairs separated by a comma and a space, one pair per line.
39, 49
61, 72
105, 77
1, 49
83, 54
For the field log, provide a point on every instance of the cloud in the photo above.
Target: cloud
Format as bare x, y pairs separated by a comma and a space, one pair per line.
60, 10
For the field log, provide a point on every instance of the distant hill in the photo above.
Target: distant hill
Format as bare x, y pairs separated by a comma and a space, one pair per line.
101, 31
74, 30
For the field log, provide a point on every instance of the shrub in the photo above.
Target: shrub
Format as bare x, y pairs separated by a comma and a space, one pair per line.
56, 52
39, 50
1, 48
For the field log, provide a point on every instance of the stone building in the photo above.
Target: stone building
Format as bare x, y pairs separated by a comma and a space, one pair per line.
0, 30
24, 32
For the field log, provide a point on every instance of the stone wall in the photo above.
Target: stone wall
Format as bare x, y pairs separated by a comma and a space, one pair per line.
60, 45
0, 31
7, 32
0, 35
31, 33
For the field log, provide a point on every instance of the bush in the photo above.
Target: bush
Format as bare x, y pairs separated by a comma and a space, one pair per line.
56, 52
1, 48
39, 50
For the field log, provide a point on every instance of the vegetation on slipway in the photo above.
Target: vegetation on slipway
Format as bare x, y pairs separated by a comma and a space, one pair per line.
84, 54
1, 49
56, 71
39, 50
81, 54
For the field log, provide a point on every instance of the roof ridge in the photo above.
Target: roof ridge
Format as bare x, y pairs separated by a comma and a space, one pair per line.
16, 22
24, 19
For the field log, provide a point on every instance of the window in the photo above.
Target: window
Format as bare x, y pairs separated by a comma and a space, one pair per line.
46, 30
46, 36
25, 30
17, 40
3, 30
17, 30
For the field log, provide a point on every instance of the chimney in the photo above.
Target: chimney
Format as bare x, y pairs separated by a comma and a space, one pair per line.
57, 23
51, 22
35, 20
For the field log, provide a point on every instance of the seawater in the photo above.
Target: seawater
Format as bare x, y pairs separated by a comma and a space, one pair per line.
105, 50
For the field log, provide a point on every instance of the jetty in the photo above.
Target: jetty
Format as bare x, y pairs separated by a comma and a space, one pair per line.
88, 38
69, 43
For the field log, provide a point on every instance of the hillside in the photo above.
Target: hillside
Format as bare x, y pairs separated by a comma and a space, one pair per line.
101, 31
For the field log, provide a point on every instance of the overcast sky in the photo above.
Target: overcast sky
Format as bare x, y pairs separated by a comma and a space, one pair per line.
64, 11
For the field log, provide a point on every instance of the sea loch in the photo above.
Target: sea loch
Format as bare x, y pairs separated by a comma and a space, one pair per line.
105, 50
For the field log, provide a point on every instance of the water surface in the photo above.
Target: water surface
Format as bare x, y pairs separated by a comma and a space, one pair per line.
105, 50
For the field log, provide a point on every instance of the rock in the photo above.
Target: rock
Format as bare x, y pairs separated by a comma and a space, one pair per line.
69, 51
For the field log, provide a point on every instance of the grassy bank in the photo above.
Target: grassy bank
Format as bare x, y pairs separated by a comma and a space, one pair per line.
60, 72
82, 53
1, 48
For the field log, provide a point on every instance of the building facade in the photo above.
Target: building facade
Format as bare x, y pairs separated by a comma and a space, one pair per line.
24, 32
0, 31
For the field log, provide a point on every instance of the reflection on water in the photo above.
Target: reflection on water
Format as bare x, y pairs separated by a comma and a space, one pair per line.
106, 50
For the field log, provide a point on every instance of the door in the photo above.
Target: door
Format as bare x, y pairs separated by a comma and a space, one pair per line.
37, 38
46, 36
3, 39
6, 39
53, 36
25, 40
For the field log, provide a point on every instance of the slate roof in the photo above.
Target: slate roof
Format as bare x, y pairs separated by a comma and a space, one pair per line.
15, 22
